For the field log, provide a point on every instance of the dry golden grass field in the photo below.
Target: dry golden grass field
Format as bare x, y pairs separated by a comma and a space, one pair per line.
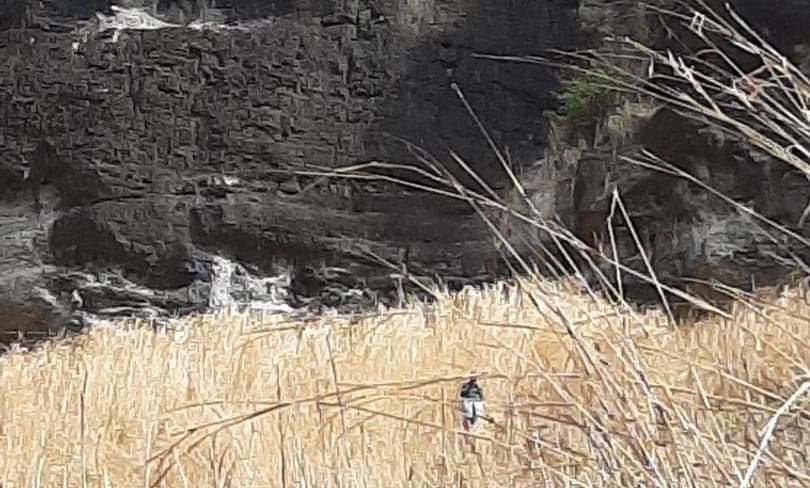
252, 401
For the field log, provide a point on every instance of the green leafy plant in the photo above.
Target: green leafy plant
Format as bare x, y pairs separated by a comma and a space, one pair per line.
585, 99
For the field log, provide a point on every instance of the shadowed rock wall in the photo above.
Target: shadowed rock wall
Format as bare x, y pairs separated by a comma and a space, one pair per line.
690, 237
146, 153
149, 156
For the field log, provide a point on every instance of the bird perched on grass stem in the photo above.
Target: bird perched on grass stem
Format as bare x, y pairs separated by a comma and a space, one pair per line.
472, 403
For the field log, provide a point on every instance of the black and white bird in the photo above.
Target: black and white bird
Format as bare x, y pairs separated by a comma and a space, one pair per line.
471, 397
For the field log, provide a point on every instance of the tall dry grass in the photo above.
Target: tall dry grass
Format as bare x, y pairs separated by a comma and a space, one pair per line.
240, 400
580, 391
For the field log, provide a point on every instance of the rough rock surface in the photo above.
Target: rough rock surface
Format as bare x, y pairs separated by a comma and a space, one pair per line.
688, 234
148, 156
178, 168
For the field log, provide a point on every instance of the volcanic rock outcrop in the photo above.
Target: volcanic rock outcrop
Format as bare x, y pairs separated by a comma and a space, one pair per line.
141, 157
138, 164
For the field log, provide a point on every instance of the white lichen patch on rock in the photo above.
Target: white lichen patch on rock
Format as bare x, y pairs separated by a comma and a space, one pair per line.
139, 19
233, 286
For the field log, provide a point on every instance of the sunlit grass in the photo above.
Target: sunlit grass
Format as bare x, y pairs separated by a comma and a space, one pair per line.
372, 401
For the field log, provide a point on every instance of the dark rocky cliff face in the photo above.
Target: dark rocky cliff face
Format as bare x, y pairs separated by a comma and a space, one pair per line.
148, 155
150, 158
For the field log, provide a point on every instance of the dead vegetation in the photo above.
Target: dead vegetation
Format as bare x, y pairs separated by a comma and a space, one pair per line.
579, 392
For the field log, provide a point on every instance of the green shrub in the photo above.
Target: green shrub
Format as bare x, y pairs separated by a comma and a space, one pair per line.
584, 101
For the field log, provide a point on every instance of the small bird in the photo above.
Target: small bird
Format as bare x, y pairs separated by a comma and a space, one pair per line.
472, 402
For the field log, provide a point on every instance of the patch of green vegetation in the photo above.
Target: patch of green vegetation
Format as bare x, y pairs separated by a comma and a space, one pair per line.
585, 99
